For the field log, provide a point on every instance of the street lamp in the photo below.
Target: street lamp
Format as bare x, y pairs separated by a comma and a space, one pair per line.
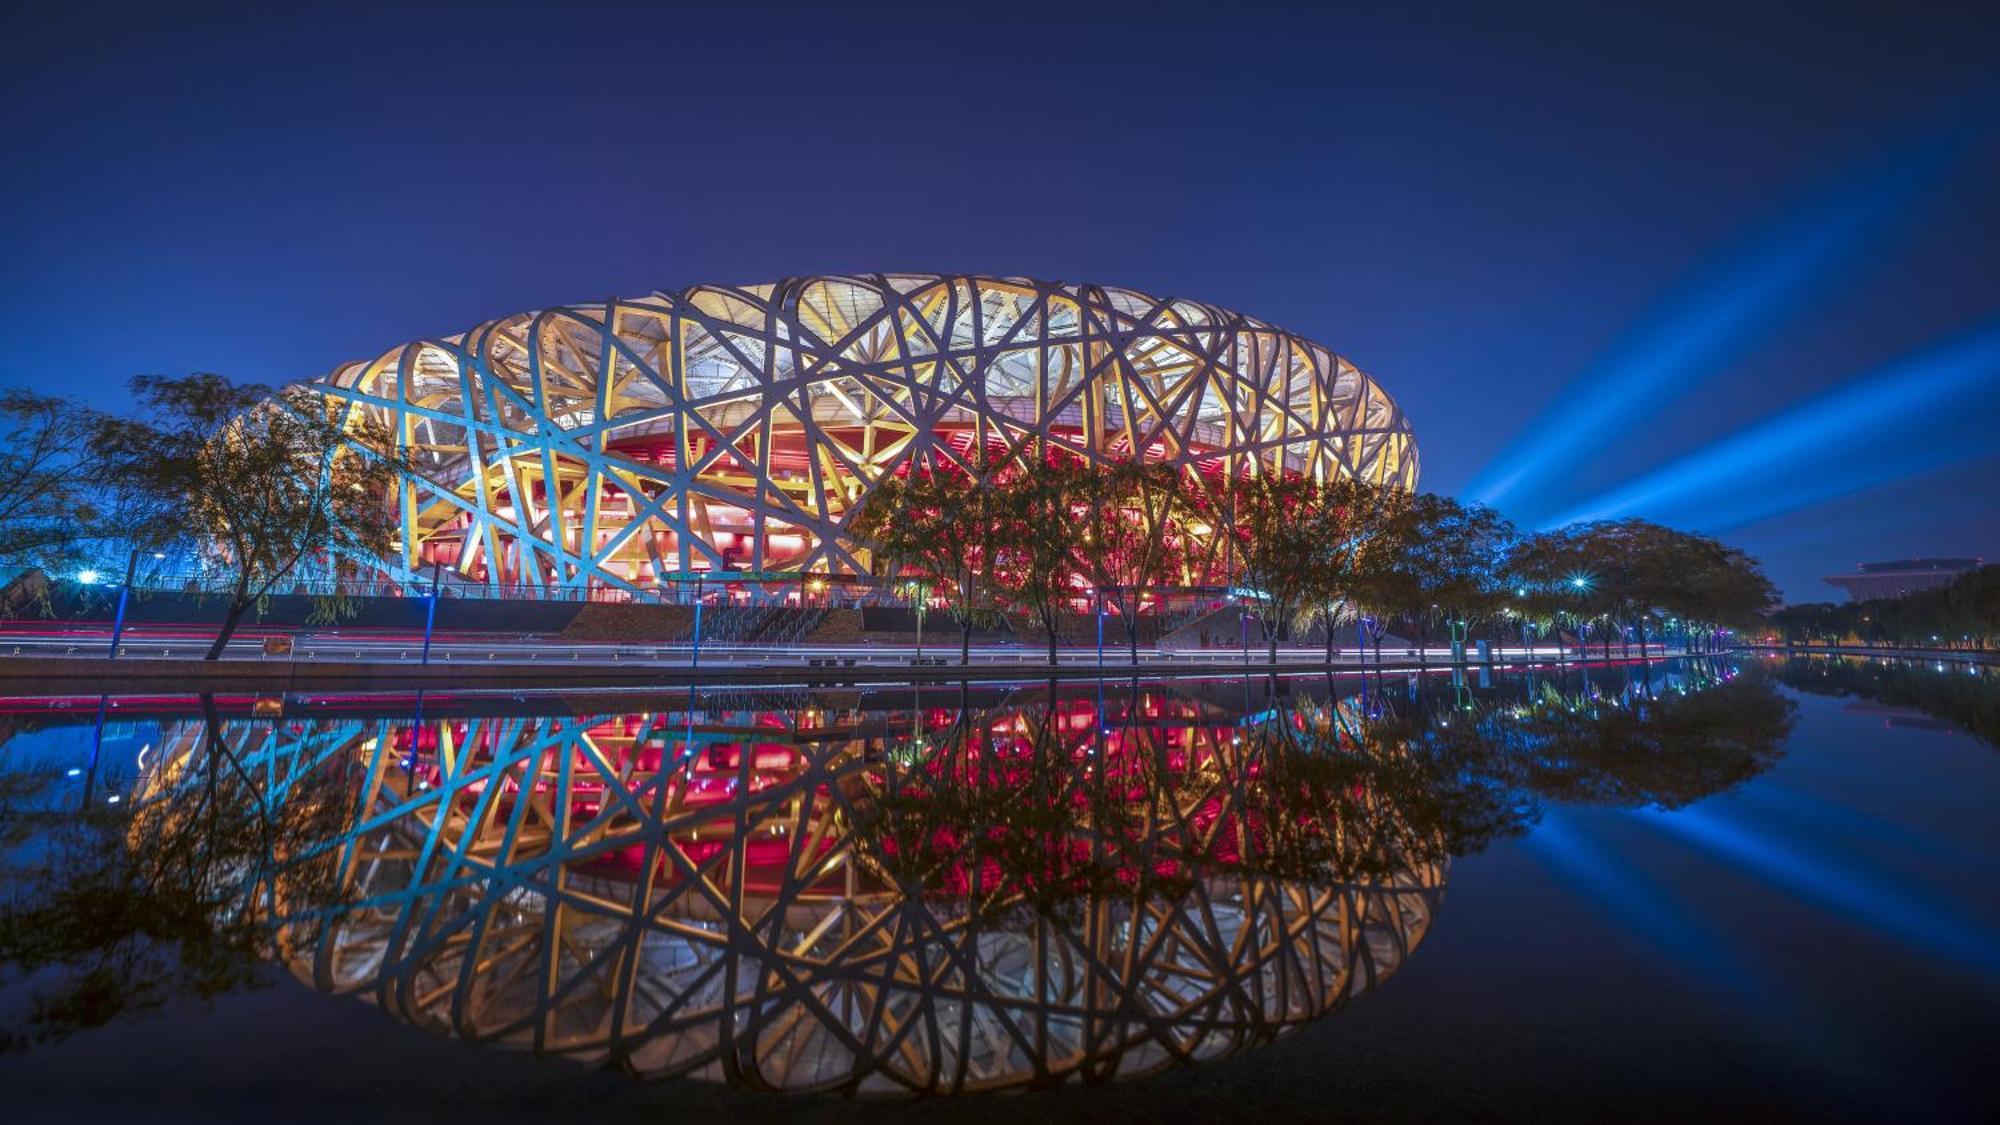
124, 597
1100, 625
919, 603
431, 609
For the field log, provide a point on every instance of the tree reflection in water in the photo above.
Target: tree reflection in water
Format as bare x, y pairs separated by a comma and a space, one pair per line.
1966, 696
968, 891
120, 908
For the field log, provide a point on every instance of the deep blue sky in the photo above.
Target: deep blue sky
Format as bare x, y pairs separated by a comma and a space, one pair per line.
1581, 248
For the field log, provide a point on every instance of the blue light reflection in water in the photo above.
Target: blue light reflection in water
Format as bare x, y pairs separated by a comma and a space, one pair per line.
1857, 896
1642, 908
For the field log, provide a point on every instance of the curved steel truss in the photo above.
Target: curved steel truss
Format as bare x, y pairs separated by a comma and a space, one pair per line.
737, 427
817, 901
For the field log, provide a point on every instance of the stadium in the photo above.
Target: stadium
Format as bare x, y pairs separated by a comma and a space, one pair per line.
625, 444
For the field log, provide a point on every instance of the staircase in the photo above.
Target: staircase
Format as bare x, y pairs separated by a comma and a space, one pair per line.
770, 625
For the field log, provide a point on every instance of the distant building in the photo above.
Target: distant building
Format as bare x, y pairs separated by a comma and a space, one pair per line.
1903, 576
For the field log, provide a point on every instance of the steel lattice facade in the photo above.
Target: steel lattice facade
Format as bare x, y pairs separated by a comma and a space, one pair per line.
738, 427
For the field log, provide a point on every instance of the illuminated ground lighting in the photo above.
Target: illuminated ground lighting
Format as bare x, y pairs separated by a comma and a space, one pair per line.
714, 909
737, 427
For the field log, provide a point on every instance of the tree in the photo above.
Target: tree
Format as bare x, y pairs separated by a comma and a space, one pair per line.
1703, 582
1969, 702
1270, 522
942, 526
1359, 527
1542, 573
1664, 753
1618, 578
49, 507
1612, 571
1449, 559
182, 892
263, 481
1974, 602
1966, 612
1631, 572
1127, 541
1037, 508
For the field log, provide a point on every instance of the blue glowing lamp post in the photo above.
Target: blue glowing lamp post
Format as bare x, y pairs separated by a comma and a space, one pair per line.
695, 661
89, 578
1100, 628
431, 610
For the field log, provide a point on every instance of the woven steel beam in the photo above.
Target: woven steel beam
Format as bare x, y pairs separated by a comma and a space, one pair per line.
617, 445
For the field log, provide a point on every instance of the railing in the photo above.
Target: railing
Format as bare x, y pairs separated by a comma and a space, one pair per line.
335, 648
721, 588
776, 610
1162, 609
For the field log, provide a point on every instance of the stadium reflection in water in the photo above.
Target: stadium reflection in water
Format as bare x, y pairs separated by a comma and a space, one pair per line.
972, 888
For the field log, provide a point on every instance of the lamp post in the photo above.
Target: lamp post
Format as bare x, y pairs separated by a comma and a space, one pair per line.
918, 604
696, 661
1579, 583
431, 608
1100, 628
96, 748
124, 598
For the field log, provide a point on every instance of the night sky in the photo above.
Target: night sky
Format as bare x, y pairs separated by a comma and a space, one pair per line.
1735, 268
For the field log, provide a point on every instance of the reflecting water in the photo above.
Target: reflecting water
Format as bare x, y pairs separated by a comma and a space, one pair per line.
787, 900
894, 894
895, 891
1933, 693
